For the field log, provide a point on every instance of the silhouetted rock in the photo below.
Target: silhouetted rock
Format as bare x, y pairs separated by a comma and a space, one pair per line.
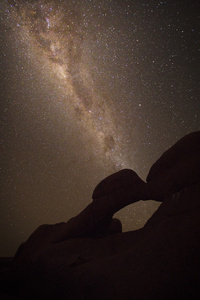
177, 168
80, 259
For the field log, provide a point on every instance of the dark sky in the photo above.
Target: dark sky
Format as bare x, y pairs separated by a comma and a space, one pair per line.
89, 88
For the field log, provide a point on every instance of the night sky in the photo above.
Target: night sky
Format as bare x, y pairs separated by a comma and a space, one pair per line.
89, 88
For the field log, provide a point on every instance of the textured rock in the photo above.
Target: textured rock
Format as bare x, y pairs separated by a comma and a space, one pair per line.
81, 260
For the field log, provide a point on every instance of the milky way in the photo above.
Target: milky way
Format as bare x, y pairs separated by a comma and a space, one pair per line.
56, 33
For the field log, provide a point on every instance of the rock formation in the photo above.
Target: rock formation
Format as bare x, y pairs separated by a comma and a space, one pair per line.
81, 259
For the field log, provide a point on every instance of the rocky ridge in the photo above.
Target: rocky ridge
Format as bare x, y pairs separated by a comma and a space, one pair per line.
90, 258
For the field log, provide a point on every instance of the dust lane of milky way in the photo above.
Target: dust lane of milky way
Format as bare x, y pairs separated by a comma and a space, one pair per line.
57, 34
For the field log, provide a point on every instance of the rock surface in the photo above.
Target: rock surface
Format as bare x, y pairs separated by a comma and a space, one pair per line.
177, 168
81, 259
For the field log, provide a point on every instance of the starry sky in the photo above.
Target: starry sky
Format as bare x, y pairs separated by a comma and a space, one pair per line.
89, 88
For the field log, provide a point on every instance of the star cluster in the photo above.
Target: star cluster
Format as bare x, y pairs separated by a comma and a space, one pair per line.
88, 88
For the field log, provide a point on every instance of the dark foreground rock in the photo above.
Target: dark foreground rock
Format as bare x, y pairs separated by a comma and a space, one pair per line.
90, 258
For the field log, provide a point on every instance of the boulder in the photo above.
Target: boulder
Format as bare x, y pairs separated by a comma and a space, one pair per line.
177, 168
